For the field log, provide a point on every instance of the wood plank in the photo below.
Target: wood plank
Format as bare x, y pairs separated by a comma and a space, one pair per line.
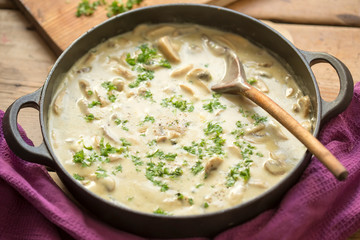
56, 21
341, 42
325, 12
24, 63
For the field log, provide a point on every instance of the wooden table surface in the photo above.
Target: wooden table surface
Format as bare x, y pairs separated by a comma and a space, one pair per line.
330, 26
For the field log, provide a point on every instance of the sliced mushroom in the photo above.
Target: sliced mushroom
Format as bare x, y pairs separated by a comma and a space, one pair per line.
140, 30
108, 183
184, 31
161, 139
263, 74
187, 89
305, 105
237, 192
96, 141
213, 164
90, 57
275, 130
107, 133
261, 85
102, 99
224, 40
181, 71
119, 84
166, 47
258, 183
114, 157
307, 125
215, 48
58, 103
235, 151
254, 129
83, 106
265, 64
199, 74
84, 86
275, 167
172, 134
289, 92
124, 72
160, 32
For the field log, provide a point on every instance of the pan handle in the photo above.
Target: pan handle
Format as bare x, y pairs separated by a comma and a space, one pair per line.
12, 135
342, 101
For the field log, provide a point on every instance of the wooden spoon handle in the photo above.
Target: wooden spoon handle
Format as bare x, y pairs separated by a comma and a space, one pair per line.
312, 144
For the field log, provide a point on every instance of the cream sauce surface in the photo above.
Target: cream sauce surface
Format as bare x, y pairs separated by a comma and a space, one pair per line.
135, 121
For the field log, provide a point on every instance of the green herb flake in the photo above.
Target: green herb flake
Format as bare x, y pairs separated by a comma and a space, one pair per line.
160, 212
106, 149
90, 117
117, 169
251, 81
93, 104
85, 8
108, 86
214, 103
122, 123
213, 128
258, 119
179, 103
78, 177
198, 167
101, 173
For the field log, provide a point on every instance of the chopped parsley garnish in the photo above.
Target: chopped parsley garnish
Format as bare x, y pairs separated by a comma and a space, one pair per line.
161, 155
143, 75
198, 167
101, 173
212, 128
160, 211
125, 142
122, 123
136, 160
148, 56
106, 149
78, 177
147, 95
251, 81
179, 196
239, 132
147, 118
179, 103
242, 169
90, 117
117, 169
206, 205
93, 104
258, 119
108, 86
86, 8
214, 103
156, 171
111, 97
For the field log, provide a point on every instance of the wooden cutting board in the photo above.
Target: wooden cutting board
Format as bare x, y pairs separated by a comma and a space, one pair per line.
55, 20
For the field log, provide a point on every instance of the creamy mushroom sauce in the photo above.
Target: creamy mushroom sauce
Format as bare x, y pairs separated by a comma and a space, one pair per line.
135, 121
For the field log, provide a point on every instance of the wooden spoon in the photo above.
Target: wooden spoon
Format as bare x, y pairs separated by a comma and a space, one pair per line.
234, 83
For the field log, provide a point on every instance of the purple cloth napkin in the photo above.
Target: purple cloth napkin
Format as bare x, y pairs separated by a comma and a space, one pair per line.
32, 206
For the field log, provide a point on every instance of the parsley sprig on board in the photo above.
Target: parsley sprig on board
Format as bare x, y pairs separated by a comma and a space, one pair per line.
87, 8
